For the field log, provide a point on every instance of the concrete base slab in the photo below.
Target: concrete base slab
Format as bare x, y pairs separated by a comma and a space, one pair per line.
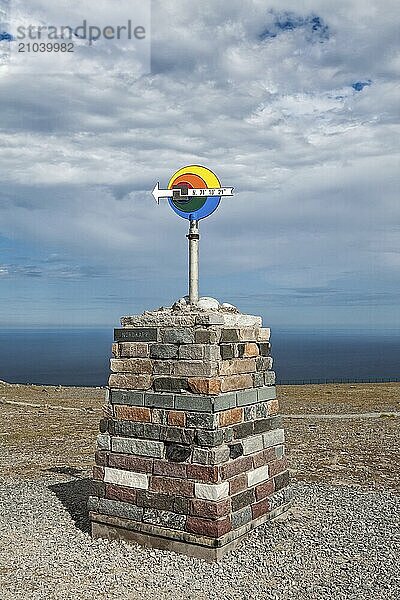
105, 528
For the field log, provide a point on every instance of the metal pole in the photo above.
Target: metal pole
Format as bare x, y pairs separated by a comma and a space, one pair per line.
193, 237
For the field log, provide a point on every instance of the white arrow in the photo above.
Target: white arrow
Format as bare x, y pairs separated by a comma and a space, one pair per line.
177, 192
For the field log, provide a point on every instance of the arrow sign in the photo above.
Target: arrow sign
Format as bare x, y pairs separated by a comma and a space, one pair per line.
185, 192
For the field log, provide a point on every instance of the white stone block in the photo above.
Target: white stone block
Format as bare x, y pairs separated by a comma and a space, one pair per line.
241, 320
257, 476
211, 491
264, 334
126, 478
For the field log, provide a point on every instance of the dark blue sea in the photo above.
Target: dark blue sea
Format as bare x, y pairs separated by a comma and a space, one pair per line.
80, 356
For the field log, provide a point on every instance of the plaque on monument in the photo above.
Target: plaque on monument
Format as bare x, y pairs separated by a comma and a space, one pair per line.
142, 334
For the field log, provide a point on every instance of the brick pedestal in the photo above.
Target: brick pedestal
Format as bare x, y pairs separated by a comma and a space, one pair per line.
191, 451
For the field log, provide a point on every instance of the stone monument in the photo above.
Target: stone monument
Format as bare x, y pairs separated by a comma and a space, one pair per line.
190, 455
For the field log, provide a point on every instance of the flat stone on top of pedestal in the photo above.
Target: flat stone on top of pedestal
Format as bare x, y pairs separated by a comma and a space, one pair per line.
189, 317
159, 318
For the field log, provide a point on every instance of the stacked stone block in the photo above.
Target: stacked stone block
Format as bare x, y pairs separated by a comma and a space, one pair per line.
191, 449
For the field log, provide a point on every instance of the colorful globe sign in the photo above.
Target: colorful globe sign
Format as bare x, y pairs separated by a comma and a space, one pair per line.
193, 192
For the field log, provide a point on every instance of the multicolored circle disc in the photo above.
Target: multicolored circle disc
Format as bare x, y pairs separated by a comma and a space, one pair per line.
194, 207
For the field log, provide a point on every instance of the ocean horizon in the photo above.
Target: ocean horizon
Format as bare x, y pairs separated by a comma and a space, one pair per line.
80, 356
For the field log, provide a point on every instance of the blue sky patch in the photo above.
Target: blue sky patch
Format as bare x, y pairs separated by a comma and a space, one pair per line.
5, 37
313, 26
358, 86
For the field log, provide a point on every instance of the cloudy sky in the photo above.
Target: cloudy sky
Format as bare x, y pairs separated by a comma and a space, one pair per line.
295, 104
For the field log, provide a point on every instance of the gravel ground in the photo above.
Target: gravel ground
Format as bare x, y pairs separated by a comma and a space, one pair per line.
338, 542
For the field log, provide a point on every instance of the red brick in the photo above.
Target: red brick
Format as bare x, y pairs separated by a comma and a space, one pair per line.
265, 489
132, 413
214, 529
131, 463
100, 458
230, 417
264, 457
238, 484
240, 465
203, 473
169, 469
117, 492
277, 466
200, 385
259, 509
177, 418
210, 509
169, 485
98, 473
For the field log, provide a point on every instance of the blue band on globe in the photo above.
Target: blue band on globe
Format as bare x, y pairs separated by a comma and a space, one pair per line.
210, 205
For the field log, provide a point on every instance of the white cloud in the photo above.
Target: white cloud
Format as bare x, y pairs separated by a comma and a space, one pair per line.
314, 162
